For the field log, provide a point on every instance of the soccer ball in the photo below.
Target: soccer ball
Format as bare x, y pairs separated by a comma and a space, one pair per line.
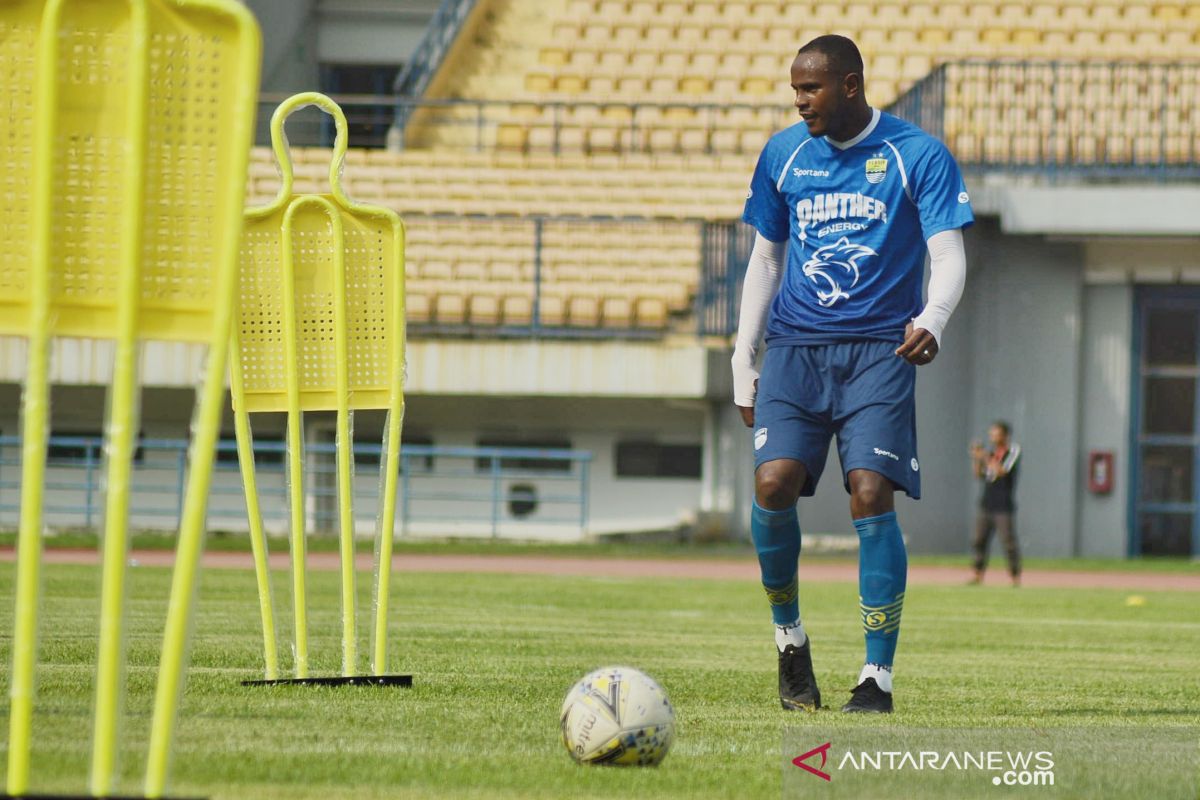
617, 715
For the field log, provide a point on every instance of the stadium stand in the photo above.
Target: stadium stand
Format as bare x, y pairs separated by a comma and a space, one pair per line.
734, 55
614, 111
621, 248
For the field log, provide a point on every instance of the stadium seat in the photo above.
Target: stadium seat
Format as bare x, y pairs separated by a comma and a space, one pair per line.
483, 308
450, 307
650, 313
583, 311
416, 306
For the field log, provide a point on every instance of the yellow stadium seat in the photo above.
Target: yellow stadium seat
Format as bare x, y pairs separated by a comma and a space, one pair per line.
583, 311
517, 309
552, 309
450, 307
617, 312
650, 313
416, 307
483, 308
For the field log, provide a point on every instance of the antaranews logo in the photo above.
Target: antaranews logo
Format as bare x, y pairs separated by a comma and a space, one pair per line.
1003, 767
823, 750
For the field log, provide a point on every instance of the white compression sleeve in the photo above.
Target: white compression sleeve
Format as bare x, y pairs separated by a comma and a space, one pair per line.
763, 274
947, 276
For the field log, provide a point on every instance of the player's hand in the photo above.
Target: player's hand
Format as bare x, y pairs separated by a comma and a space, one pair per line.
747, 412
919, 346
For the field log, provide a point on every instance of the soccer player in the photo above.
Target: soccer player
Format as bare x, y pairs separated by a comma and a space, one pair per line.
997, 468
852, 198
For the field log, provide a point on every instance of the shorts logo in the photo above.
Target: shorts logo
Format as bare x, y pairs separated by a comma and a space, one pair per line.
915, 466
876, 170
963, 197
749, 193
892, 456
760, 438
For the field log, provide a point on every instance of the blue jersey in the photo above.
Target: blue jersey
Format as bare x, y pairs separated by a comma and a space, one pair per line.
856, 221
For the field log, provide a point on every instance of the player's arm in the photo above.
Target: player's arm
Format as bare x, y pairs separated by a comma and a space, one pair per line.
763, 274
1010, 461
947, 276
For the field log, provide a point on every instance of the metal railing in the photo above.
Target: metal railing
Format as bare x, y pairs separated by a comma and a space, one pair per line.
440, 34
725, 253
591, 126
1077, 119
445, 490
552, 127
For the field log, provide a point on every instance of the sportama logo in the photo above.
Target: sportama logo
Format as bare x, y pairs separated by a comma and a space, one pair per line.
833, 265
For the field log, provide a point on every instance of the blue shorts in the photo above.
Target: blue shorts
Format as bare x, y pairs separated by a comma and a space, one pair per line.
861, 391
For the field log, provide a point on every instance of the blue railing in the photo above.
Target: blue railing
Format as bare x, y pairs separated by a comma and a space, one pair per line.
442, 490
724, 254
439, 36
1072, 119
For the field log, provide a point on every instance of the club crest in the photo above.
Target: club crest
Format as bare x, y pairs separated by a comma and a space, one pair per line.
876, 170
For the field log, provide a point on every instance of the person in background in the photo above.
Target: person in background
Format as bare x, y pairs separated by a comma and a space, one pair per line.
997, 468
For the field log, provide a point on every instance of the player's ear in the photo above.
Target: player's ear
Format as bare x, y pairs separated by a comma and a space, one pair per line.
853, 85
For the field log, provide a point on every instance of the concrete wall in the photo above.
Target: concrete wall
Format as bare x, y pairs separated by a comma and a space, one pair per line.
371, 31
299, 35
616, 504
289, 44
1026, 327
1103, 527
590, 424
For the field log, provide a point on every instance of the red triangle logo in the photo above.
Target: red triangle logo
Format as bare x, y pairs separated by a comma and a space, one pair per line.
824, 751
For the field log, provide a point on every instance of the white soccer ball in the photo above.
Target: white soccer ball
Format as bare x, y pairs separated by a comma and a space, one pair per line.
617, 715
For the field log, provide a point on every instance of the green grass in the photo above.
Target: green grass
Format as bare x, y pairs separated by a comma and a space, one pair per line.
609, 547
492, 656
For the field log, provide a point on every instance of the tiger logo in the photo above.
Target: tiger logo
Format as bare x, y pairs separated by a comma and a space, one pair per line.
832, 265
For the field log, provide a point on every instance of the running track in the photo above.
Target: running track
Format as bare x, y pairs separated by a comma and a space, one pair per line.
730, 569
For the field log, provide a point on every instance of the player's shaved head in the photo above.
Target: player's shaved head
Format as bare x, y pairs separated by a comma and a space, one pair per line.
827, 78
840, 53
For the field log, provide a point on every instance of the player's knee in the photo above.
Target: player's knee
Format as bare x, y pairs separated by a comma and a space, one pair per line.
870, 493
777, 486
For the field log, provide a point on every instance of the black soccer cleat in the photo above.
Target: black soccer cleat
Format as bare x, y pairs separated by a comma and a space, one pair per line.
868, 698
797, 685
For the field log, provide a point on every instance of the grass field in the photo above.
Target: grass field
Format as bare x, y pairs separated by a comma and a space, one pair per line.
612, 547
493, 655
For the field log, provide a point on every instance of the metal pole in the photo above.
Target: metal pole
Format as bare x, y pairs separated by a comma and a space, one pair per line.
89, 474
537, 274
478, 127
495, 495
180, 483
405, 472
583, 496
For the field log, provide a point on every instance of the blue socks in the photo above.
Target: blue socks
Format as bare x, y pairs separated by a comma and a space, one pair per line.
882, 576
776, 537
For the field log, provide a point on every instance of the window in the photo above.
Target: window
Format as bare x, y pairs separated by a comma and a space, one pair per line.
1168, 438
655, 460
368, 450
267, 450
528, 463
368, 123
78, 445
